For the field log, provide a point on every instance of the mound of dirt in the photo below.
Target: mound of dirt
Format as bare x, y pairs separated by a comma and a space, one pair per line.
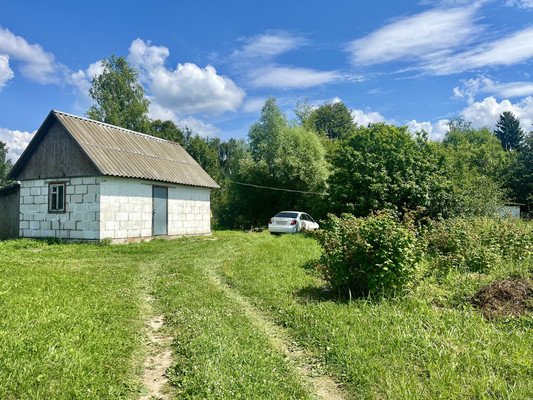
505, 298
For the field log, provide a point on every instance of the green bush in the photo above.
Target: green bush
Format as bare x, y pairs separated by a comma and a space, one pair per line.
372, 255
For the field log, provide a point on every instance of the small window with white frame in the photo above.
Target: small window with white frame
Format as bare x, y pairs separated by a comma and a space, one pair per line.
56, 197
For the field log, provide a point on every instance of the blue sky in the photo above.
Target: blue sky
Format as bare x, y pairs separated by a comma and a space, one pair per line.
210, 65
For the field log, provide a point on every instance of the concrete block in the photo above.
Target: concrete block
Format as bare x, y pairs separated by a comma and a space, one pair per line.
111, 225
28, 199
24, 192
94, 226
35, 208
88, 181
89, 198
106, 234
76, 198
93, 189
71, 189
121, 234
35, 191
39, 216
107, 215
125, 224
82, 225
49, 233
75, 234
39, 199
89, 234
24, 224
109, 205
35, 225
81, 189
134, 233
146, 232
121, 216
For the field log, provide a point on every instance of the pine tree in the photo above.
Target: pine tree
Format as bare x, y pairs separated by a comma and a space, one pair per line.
509, 132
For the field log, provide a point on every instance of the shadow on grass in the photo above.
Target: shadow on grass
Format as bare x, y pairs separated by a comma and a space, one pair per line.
325, 293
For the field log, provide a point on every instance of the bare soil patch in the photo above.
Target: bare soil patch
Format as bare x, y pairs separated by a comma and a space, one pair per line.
505, 298
159, 359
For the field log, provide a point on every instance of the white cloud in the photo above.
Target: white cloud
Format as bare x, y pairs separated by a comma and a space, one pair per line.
253, 104
194, 124
16, 141
283, 77
147, 56
363, 119
198, 126
469, 88
487, 112
36, 64
82, 79
443, 42
515, 48
6, 73
520, 3
269, 45
188, 89
417, 36
435, 131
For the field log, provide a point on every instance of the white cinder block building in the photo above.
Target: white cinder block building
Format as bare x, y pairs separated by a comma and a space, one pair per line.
86, 180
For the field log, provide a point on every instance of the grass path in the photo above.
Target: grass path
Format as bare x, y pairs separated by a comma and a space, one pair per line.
222, 349
300, 360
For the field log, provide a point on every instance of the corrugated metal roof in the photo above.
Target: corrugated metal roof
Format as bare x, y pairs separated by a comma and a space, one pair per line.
120, 152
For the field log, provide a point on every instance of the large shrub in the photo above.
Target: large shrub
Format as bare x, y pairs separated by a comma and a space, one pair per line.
372, 255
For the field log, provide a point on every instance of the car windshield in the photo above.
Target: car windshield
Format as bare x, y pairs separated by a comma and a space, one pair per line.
286, 215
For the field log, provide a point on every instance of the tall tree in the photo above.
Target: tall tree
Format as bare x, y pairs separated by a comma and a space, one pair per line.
383, 167
5, 164
509, 132
521, 175
119, 96
334, 121
469, 149
166, 130
282, 155
478, 167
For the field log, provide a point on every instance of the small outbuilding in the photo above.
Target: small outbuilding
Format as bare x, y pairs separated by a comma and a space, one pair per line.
86, 180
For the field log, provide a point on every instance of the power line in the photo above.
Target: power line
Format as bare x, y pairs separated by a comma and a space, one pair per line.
273, 188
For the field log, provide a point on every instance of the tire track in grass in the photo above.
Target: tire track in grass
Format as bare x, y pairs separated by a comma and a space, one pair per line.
159, 356
158, 360
300, 360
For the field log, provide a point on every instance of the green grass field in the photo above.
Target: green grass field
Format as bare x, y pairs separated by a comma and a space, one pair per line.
72, 317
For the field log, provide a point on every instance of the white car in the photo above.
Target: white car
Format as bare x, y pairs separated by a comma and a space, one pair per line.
291, 222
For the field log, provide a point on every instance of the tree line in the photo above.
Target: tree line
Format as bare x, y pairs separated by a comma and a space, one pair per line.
322, 162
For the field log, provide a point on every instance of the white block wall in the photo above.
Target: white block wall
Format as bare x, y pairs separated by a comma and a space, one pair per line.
126, 209
81, 219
